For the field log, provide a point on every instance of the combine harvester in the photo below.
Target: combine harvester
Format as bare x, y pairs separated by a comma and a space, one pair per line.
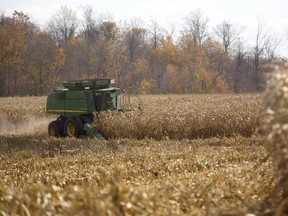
76, 103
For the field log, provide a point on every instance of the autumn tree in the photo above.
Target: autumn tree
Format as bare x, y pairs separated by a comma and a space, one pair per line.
87, 37
156, 33
98, 41
171, 77
194, 63
227, 34
135, 48
192, 39
62, 27
156, 36
238, 65
143, 58
196, 25
135, 40
41, 57
261, 53
13, 37
218, 61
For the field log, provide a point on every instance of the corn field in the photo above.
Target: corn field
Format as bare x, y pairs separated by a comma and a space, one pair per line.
185, 117
180, 155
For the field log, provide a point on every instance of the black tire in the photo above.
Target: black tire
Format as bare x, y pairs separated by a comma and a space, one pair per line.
61, 122
73, 127
55, 128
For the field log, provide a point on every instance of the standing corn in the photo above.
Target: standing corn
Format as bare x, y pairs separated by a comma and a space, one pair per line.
275, 124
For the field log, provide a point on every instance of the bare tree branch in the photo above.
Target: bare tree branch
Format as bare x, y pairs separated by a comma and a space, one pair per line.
196, 25
227, 34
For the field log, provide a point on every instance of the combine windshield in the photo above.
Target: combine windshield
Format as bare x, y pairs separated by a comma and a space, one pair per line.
106, 100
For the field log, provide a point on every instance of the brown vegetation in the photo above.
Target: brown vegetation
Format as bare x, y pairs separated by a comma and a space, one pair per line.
142, 58
185, 117
275, 125
227, 173
131, 177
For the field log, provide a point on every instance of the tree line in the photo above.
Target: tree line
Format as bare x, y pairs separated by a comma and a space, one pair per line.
143, 58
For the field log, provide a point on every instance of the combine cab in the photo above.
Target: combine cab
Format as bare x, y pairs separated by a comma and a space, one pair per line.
76, 102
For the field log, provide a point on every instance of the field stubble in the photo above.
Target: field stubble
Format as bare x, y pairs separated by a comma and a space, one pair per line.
152, 164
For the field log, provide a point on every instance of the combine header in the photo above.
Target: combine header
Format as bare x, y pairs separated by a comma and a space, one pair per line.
76, 102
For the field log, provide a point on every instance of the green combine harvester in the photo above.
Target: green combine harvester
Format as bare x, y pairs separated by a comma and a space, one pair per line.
76, 103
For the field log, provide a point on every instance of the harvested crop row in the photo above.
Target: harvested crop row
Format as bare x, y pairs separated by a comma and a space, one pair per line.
17, 108
131, 177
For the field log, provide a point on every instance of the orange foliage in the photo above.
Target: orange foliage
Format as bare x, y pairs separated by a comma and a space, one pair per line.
144, 87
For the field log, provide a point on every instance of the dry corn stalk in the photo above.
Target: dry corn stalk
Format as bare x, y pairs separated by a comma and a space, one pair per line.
275, 123
185, 117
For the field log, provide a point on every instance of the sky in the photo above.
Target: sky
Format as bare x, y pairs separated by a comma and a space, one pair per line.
246, 13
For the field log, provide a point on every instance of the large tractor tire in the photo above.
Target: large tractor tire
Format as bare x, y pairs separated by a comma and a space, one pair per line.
73, 127
55, 128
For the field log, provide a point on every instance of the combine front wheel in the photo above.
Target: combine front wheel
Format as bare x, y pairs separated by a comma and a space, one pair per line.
73, 127
55, 129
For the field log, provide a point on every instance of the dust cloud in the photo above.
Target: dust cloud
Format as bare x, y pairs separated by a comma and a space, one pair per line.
31, 125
